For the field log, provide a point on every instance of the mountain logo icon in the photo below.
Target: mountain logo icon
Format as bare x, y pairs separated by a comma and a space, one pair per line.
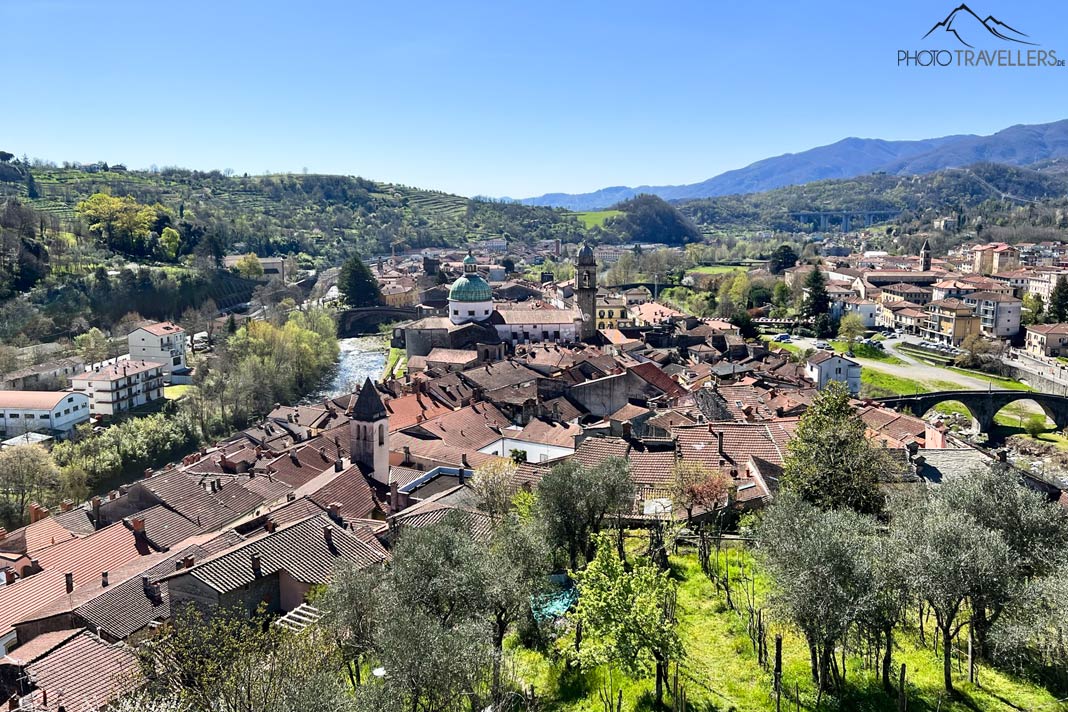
965, 25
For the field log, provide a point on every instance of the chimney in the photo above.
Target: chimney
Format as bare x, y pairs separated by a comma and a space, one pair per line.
9, 576
270, 525
69, 577
719, 443
463, 460
3, 533
394, 497
626, 430
257, 564
407, 455
328, 534
96, 511
35, 512
335, 511
338, 466
103, 579
66, 505
188, 561
138, 524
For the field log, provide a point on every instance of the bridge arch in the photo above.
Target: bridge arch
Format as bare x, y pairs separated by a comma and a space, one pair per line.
1016, 409
948, 409
984, 405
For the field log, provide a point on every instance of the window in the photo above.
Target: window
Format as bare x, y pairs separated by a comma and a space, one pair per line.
381, 434
66, 411
470, 312
71, 399
456, 312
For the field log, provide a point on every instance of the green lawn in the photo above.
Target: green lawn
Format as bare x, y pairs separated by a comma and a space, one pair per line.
869, 352
789, 347
596, 218
716, 269
720, 670
396, 364
879, 384
995, 381
175, 392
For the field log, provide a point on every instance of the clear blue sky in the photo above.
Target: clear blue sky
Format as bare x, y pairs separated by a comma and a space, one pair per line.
496, 98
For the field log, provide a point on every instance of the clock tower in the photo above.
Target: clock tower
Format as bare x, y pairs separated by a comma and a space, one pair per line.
586, 290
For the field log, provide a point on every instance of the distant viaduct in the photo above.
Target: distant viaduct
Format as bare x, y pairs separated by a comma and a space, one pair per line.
983, 405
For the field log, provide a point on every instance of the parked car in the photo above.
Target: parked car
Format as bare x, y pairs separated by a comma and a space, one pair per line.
822, 345
783, 338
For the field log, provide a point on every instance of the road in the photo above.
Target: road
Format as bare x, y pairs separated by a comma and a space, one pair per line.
913, 370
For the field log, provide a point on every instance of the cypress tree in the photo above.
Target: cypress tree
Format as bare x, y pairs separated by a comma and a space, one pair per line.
1058, 301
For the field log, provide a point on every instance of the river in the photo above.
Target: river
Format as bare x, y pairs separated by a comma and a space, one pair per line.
361, 357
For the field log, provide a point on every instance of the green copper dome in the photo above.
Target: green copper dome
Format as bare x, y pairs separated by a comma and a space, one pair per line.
470, 288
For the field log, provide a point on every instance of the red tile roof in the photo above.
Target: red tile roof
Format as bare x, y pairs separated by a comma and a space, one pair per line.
83, 675
163, 328
28, 594
108, 549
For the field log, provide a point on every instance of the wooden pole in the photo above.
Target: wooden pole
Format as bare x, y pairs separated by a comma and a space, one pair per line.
902, 701
778, 672
971, 656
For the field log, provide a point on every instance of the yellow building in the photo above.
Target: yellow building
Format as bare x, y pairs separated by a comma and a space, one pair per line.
950, 321
611, 312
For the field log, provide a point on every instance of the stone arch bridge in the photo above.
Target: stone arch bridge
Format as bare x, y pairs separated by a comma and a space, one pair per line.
983, 405
353, 322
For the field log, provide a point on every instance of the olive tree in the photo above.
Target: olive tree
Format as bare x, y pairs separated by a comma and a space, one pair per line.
950, 558
822, 578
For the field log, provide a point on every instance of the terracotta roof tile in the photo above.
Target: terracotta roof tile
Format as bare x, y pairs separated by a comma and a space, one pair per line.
83, 675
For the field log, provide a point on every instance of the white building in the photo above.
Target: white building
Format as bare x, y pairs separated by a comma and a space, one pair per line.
540, 441
163, 343
121, 387
823, 367
518, 324
999, 314
866, 309
53, 413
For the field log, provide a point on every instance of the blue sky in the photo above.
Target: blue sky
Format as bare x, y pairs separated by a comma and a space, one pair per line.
496, 98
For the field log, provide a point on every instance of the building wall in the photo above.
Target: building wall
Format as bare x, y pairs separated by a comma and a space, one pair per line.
536, 452
121, 394
536, 331
62, 419
168, 350
292, 593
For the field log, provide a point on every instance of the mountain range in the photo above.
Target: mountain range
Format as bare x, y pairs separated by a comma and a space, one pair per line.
1020, 145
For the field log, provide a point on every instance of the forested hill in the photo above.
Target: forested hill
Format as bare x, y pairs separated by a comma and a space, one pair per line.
318, 215
992, 190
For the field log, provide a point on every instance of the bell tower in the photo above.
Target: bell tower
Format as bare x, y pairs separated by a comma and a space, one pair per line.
369, 434
586, 290
925, 257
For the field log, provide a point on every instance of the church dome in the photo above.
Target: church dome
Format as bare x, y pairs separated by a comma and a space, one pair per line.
470, 288
585, 255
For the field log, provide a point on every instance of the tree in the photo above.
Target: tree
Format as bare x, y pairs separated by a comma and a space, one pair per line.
694, 485
976, 349
574, 501
249, 267
782, 258
357, 284
27, 473
494, 486
950, 557
851, 328
1034, 530
830, 462
627, 617
816, 301
93, 345
1058, 301
1033, 309
230, 663
171, 241
822, 578
780, 295
348, 608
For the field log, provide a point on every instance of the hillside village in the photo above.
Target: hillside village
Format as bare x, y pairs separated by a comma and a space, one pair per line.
499, 372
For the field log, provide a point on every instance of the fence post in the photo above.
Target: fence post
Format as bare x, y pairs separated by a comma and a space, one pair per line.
778, 672
902, 702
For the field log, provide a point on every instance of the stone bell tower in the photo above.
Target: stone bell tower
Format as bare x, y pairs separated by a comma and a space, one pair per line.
586, 290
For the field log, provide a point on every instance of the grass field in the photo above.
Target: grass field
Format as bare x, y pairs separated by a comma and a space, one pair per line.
995, 381
596, 218
720, 670
879, 384
716, 269
175, 392
396, 364
869, 352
